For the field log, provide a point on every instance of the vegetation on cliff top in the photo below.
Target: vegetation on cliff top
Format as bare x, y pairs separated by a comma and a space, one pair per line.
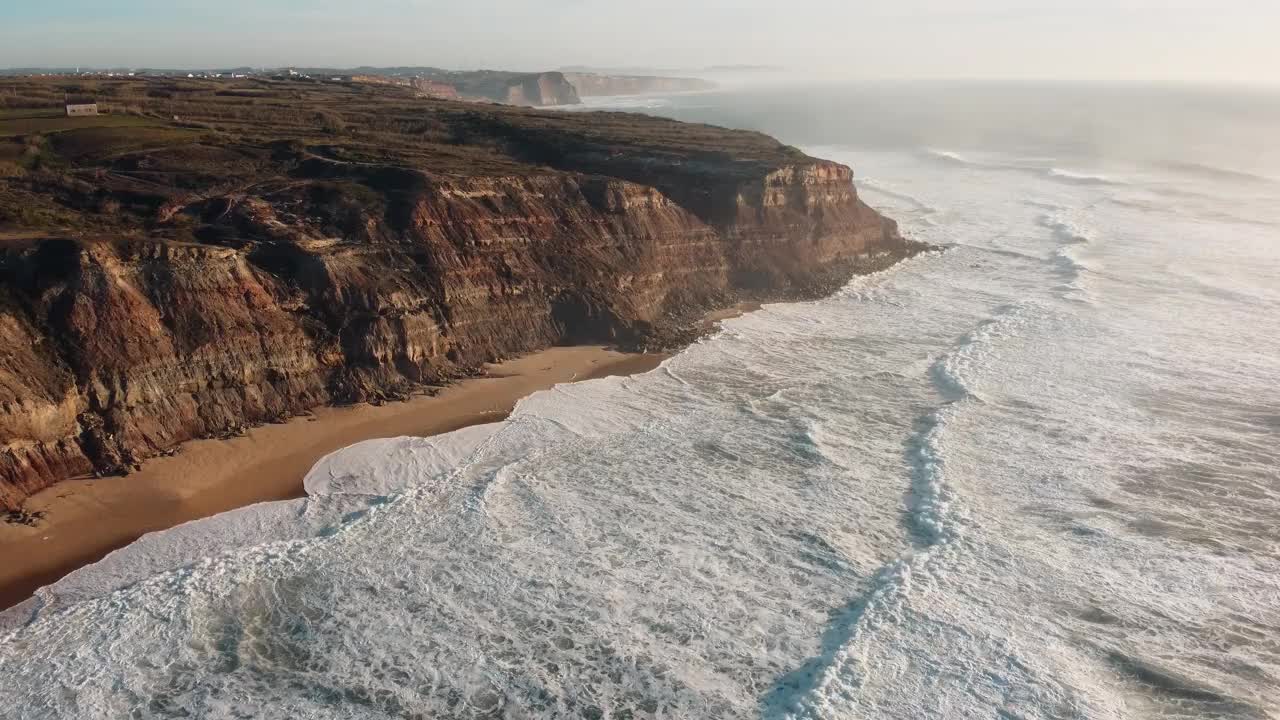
161, 139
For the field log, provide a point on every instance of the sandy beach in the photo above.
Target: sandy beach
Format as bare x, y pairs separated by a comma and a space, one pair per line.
86, 519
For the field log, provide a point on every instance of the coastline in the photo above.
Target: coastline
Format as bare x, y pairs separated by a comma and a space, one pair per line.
85, 519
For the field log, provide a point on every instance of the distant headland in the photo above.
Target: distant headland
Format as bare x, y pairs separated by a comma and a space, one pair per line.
534, 89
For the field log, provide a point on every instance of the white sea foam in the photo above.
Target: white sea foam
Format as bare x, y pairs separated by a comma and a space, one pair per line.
942, 492
1037, 166
1071, 235
386, 467
1082, 178
953, 157
1068, 231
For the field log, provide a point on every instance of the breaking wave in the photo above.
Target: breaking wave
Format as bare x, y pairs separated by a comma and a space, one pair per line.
1079, 178
1031, 166
1071, 236
1067, 231
953, 157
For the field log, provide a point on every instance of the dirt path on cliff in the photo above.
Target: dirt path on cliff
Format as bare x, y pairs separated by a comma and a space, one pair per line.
86, 519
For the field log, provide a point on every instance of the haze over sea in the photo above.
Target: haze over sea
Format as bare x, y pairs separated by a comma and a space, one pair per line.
1029, 475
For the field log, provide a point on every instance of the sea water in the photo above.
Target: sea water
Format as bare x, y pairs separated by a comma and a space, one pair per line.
1032, 474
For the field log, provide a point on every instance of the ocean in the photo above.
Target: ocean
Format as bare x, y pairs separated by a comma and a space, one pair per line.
1031, 474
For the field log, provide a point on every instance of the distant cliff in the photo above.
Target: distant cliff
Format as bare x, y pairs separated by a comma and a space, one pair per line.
160, 283
539, 89
531, 89
593, 84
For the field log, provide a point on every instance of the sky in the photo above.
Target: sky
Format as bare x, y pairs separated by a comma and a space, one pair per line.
1166, 41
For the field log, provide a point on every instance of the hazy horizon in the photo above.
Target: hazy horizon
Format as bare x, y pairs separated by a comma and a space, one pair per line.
1183, 41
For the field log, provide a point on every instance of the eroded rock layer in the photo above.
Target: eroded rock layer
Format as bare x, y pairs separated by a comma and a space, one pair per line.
304, 276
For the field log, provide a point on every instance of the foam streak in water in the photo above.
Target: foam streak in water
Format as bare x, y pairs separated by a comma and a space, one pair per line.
1071, 236
827, 686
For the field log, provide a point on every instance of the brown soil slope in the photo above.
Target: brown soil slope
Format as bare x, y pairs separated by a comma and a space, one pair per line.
212, 255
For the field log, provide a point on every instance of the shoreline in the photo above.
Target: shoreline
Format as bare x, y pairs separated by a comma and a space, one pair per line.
86, 519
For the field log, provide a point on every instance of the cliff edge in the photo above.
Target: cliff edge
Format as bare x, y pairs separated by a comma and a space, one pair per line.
165, 281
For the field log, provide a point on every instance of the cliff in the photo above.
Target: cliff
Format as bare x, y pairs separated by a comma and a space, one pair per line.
430, 88
511, 88
542, 89
340, 244
595, 84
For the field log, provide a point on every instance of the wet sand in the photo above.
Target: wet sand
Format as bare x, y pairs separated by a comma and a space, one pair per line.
86, 519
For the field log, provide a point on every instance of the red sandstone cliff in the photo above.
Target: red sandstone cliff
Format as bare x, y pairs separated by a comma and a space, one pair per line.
318, 279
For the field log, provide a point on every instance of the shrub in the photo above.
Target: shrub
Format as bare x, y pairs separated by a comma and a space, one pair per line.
331, 123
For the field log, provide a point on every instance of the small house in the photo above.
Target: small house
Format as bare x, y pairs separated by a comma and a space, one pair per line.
81, 106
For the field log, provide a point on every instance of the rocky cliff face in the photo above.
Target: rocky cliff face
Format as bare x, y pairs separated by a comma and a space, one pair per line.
537, 89
528, 89
318, 278
541, 90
